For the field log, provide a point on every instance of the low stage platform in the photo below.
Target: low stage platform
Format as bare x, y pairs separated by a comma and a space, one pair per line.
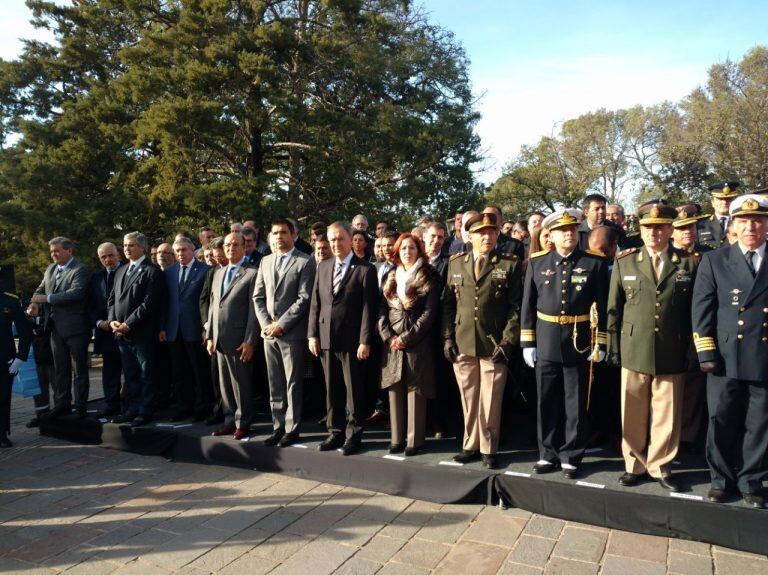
595, 498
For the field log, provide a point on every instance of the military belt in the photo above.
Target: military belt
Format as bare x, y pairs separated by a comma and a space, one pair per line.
563, 319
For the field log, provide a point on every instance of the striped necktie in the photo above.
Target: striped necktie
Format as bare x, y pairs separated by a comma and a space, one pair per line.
337, 275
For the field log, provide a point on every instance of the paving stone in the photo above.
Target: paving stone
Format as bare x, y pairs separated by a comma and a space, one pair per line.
184, 548
280, 546
689, 564
496, 527
418, 513
140, 567
562, 566
354, 530
728, 550
395, 529
694, 547
402, 569
94, 566
532, 551
638, 546
321, 557
381, 548
383, 507
8, 565
472, 558
581, 544
509, 568
615, 565
519, 513
443, 531
358, 566
422, 553
544, 527
249, 564
220, 556
733, 564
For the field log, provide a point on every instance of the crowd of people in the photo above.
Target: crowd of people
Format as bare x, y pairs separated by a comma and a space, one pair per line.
669, 322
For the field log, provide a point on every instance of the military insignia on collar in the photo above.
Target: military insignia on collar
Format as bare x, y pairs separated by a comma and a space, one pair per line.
494, 259
675, 259
547, 272
736, 291
579, 270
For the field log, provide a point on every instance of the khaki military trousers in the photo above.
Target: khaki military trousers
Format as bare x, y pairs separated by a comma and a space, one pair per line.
651, 419
481, 384
407, 415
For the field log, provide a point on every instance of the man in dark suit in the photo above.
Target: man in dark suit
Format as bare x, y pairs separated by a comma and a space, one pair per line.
342, 319
730, 332
134, 306
712, 230
102, 284
298, 242
64, 294
183, 331
462, 245
283, 291
217, 246
434, 239
232, 335
505, 243
595, 209
252, 254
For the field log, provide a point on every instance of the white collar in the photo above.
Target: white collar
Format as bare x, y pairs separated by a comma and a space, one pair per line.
760, 250
346, 260
137, 263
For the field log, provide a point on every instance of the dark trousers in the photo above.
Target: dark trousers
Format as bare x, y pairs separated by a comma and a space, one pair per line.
137, 358
218, 405
111, 371
162, 374
562, 417
605, 402
345, 381
737, 438
46, 375
191, 376
6, 382
68, 352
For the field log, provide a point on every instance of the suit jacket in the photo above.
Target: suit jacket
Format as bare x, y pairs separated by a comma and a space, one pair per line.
382, 269
584, 232
649, 322
68, 305
710, 233
136, 300
287, 300
730, 314
254, 259
181, 314
232, 317
205, 295
347, 319
98, 308
303, 246
441, 265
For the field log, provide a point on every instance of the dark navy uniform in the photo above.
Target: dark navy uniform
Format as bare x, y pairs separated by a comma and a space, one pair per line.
11, 314
558, 293
710, 232
730, 325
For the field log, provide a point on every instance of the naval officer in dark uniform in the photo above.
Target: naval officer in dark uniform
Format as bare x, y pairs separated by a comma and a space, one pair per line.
481, 327
712, 230
730, 331
561, 287
11, 358
649, 327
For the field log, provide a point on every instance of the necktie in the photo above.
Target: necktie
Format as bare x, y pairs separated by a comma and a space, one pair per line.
110, 281
57, 280
183, 276
656, 261
227, 280
479, 262
751, 262
131, 269
279, 267
723, 221
337, 274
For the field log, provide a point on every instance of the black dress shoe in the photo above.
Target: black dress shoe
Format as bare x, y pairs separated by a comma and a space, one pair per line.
570, 473
333, 441
629, 479
351, 446
668, 483
59, 411
273, 439
754, 500
397, 447
124, 418
81, 412
289, 439
717, 495
411, 451
140, 420
489, 461
5, 442
466, 456
547, 467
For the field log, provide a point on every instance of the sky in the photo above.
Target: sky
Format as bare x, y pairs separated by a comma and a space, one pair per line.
535, 64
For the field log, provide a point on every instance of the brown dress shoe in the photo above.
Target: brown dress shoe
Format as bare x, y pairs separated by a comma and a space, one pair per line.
240, 434
223, 430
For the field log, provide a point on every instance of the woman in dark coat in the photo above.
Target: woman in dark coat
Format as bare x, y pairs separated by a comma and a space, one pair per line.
408, 315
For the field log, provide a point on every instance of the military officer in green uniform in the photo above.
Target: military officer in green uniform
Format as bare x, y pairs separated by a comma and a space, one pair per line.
565, 289
481, 326
649, 334
11, 358
712, 231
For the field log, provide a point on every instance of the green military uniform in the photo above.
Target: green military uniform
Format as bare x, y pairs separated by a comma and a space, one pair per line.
649, 328
481, 324
11, 314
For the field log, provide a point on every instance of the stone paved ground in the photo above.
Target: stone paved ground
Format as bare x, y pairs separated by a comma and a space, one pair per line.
90, 510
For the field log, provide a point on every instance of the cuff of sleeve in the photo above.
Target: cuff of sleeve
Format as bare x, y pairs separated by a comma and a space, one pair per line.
704, 344
601, 338
48, 298
527, 336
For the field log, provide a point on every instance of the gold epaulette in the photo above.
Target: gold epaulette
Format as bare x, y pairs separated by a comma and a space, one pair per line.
703, 343
539, 254
9, 294
627, 252
597, 253
458, 255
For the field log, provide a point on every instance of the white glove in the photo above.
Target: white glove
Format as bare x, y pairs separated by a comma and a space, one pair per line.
597, 359
14, 365
530, 355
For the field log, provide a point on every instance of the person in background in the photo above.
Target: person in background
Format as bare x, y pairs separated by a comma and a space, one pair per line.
408, 312
378, 255
464, 245
381, 227
205, 235
153, 255
11, 356
712, 231
360, 244
220, 260
165, 256
298, 241
322, 250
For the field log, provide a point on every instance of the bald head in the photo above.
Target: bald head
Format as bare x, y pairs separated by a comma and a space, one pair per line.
604, 239
108, 255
